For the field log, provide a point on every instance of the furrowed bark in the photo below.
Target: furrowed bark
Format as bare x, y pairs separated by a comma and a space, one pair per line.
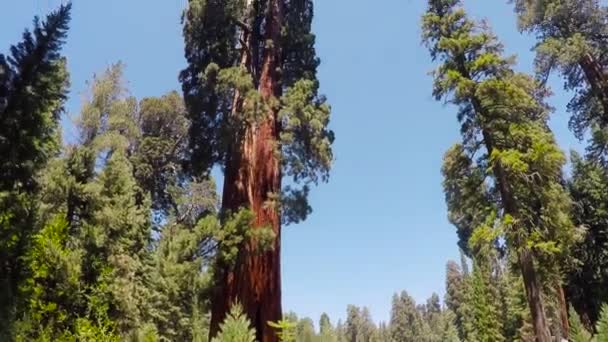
533, 294
597, 81
252, 175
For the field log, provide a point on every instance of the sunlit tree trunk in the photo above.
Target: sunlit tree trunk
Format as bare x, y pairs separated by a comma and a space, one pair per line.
252, 176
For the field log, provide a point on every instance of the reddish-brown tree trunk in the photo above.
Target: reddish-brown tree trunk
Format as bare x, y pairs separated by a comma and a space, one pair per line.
533, 294
252, 175
594, 73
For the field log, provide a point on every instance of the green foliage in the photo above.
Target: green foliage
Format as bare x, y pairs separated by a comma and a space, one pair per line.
483, 299
578, 332
359, 326
455, 295
406, 322
327, 332
33, 87
503, 183
235, 328
305, 330
571, 38
55, 280
214, 76
286, 330
96, 273
162, 149
589, 191
467, 195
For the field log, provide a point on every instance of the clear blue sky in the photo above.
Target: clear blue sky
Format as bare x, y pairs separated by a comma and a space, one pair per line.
380, 224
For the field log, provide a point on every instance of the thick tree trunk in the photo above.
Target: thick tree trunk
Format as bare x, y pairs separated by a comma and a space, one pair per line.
252, 175
533, 294
598, 82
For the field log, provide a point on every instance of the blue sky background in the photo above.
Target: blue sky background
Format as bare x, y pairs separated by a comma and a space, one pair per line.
379, 226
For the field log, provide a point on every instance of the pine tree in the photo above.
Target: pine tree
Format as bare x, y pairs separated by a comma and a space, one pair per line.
305, 330
504, 112
327, 333
455, 295
483, 296
185, 248
406, 323
359, 326
33, 87
448, 329
384, 332
236, 328
252, 96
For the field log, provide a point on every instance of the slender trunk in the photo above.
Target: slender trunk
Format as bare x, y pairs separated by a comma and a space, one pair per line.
594, 74
563, 311
252, 175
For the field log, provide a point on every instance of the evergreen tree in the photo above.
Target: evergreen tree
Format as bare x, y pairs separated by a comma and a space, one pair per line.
341, 332
98, 229
455, 295
384, 332
252, 96
359, 326
161, 150
587, 279
327, 333
305, 330
236, 328
448, 331
572, 38
98, 219
504, 112
406, 323
33, 87
483, 294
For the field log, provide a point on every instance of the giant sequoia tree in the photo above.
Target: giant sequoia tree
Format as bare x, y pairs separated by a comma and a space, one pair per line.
507, 149
573, 39
252, 95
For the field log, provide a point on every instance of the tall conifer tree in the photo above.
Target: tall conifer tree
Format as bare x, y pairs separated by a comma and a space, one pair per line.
252, 95
573, 40
503, 120
33, 87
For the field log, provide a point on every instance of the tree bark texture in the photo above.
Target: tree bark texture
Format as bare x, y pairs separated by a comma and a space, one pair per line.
594, 73
252, 176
